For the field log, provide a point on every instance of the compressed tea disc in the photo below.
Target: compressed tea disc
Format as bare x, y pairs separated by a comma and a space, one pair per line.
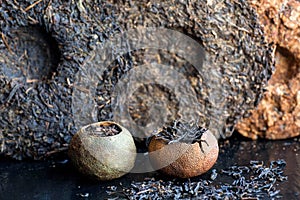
39, 115
278, 114
225, 65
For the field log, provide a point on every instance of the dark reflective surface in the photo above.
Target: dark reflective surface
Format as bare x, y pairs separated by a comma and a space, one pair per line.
58, 180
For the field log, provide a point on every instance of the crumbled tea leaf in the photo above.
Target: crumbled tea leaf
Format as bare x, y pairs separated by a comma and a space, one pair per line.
107, 130
181, 132
248, 185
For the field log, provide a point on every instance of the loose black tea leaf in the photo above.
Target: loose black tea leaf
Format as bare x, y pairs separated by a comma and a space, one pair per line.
107, 130
181, 132
250, 184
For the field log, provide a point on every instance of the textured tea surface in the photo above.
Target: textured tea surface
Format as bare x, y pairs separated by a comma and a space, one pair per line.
281, 22
36, 119
225, 86
278, 114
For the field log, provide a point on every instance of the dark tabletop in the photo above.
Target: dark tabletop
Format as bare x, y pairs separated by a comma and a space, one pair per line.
56, 178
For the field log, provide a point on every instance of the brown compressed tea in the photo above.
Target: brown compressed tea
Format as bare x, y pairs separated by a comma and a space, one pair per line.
278, 114
225, 86
36, 117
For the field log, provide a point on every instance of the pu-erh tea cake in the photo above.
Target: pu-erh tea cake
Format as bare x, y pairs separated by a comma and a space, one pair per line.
44, 45
278, 114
